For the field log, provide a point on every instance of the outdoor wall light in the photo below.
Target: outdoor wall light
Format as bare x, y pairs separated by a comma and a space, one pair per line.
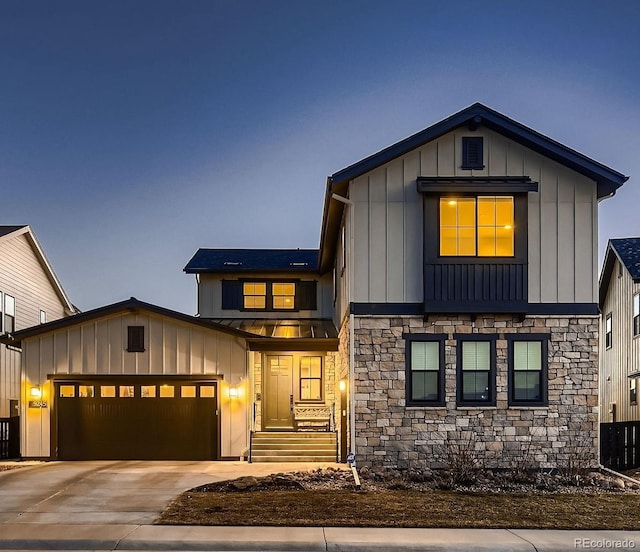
233, 392
342, 385
36, 392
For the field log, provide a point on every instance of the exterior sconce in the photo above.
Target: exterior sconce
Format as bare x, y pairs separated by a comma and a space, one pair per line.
342, 385
233, 392
36, 392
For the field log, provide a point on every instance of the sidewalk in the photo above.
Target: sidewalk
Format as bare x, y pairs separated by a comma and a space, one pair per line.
16, 536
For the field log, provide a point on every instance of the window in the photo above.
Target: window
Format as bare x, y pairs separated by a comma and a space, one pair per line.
148, 391
636, 314
188, 391
108, 391
127, 391
528, 370
477, 226
9, 314
425, 369
43, 317
255, 295
135, 339
633, 393
311, 378
283, 295
476, 370
167, 391
608, 332
85, 391
67, 391
472, 154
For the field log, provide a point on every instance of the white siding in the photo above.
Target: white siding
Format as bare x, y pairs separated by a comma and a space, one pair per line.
388, 225
99, 347
623, 357
23, 277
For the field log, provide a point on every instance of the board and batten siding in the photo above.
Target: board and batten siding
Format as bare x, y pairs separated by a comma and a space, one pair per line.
210, 295
623, 357
23, 277
388, 224
98, 347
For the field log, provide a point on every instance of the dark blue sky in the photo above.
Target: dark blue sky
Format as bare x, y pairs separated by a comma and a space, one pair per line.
134, 132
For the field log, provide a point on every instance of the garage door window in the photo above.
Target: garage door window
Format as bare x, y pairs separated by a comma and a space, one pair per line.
188, 391
127, 391
85, 391
207, 391
167, 391
107, 391
148, 391
67, 391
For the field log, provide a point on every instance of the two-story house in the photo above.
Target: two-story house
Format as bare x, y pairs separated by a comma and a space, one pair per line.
30, 293
620, 354
453, 302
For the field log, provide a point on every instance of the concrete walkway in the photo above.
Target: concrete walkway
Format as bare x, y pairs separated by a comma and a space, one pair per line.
305, 539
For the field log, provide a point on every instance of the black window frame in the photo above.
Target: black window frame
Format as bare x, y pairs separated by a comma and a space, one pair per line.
608, 331
635, 315
472, 153
9, 320
135, 339
463, 338
321, 379
633, 392
411, 338
543, 339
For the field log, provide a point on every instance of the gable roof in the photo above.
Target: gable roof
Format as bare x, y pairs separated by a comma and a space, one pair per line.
131, 305
9, 232
607, 179
252, 260
627, 251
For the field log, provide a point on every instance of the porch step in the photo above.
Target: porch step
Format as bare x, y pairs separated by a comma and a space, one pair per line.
281, 446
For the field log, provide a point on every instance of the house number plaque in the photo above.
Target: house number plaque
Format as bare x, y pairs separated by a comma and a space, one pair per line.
38, 404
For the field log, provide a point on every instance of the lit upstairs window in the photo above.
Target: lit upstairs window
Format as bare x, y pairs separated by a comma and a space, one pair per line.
255, 295
480, 226
284, 295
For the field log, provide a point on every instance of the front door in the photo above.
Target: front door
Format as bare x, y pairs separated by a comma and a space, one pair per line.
279, 392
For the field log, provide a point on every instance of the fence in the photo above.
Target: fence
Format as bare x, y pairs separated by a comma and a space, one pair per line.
620, 445
9, 437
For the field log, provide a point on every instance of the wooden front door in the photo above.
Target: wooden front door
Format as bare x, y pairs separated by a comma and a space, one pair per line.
278, 378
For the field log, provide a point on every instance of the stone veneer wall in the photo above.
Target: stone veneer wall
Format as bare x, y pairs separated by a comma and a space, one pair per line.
562, 434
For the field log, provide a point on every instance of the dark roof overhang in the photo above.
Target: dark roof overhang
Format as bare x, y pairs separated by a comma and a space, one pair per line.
211, 261
607, 180
472, 184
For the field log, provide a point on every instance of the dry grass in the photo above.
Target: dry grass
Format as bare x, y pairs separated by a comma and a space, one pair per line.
400, 508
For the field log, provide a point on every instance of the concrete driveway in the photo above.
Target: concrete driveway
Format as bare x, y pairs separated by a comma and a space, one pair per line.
111, 492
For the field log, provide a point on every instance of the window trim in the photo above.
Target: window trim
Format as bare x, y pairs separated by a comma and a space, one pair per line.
462, 338
635, 317
633, 392
608, 333
422, 337
544, 372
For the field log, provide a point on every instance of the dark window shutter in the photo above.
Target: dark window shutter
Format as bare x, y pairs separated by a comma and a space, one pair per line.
306, 296
231, 294
472, 154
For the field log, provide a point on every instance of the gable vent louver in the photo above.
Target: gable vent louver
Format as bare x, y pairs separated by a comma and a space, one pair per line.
472, 152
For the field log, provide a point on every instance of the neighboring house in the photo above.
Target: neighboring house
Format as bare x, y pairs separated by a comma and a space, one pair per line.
620, 352
452, 304
30, 294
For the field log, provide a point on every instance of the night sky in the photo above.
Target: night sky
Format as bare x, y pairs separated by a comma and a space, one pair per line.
134, 132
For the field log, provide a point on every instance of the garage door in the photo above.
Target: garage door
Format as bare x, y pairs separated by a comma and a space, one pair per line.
122, 419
